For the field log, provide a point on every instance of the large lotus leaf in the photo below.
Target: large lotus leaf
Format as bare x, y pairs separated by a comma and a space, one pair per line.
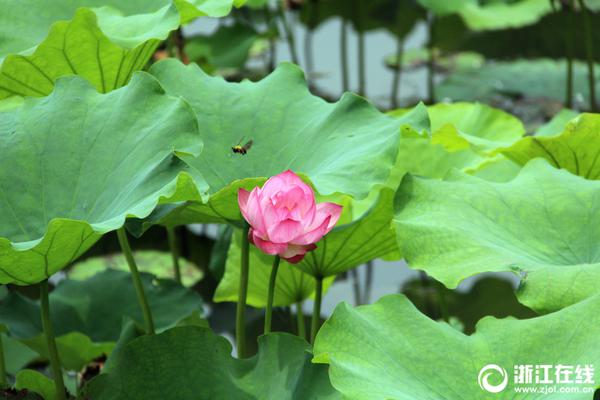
331, 144
87, 315
292, 284
75, 164
538, 78
194, 363
576, 149
227, 47
461, 135
159, 264
16, 354
557, 123
36, 382
389, 350
542, 225
491, 15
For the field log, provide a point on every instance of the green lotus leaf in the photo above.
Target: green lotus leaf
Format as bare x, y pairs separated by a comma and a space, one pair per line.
389, 350
16, 355
538, 79
541, 225
462, 136
227, 47
557, 124
87, 315
159, 264
331, 144
292, 284
194, 363
104, 47
36, 382
576, 149
190, 9
73, 169
493, 15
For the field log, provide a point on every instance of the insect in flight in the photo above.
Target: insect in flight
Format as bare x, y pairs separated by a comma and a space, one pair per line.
238, 149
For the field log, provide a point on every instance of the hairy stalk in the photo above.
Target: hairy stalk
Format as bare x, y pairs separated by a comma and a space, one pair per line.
271, 295
344, 54
316, 317
172, 238
569, 39
589, 48
300, 320
2, 365
51, 342
356, 287
137, 280
397, 72
289, 34
431, 61
240, 320
272, 41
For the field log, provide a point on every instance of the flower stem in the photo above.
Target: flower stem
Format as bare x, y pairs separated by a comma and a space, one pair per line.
271, 294
316, 317
289, 34
2, 365
240, 321
589, 47
397, 72
569, 39
137, 281
355, 286
300, 319
272, 43
172, 238
344, 54
431, 61
51, 343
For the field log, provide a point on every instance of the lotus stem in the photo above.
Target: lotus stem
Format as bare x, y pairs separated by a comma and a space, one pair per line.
289, 34
172, 238
240, 321
316, 317
368, 283
589, 47
137, 281
431, 61
308, 36
59, 384
272, 41
344, 54
355, 286
569, 47
397, 72
271, 294
442, 303
2, 365
300, 320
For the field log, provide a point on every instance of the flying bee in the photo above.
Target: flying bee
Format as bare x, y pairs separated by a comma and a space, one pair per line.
238, 149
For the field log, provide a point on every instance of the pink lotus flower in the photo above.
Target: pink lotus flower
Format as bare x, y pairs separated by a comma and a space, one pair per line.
284, 217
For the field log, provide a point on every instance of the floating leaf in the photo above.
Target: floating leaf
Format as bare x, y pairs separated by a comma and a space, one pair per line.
331, 144
576, 149
159, 264
389, 350
36, 382
541, 225
228, 47
73, 168
194, 363
292, 284
87, 315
